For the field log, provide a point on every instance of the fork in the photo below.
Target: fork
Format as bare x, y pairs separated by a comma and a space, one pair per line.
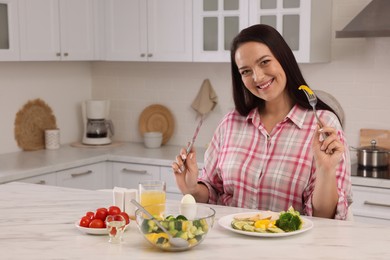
312, 98
189, 147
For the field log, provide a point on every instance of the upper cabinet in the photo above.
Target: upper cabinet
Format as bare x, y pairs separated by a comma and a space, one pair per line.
9, 31
57, 29
148, 30
304, 24
156, 30
216, 23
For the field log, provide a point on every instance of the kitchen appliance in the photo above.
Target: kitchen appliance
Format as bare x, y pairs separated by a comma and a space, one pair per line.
373, 161
372, 21
373, 156
370, 172
98, 130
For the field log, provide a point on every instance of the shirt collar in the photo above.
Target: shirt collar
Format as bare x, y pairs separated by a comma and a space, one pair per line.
296, 115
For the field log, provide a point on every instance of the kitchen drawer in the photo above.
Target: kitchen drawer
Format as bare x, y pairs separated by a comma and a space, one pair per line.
45, 179
168, 176
90, 177
128, 175
369, 202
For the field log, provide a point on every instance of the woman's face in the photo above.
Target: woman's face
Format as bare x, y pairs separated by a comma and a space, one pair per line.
260, 71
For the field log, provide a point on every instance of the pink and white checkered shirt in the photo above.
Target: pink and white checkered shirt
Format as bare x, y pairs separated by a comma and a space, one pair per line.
247, 167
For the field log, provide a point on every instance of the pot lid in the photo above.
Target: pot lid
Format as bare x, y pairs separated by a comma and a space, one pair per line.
374, 148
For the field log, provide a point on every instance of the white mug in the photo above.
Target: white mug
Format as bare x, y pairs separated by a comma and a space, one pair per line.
52, 139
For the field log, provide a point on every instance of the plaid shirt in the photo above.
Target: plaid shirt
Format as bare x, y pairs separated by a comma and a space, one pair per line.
247, 167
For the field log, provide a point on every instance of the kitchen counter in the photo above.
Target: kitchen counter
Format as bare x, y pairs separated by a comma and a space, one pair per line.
38, 223
18, 165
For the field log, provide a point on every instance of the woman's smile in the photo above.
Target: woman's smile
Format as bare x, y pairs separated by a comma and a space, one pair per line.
266, 84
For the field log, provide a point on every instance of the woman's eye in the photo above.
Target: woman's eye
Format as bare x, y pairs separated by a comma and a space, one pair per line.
264, 62
245, 72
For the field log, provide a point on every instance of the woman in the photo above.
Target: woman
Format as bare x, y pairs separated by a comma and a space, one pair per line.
268, 153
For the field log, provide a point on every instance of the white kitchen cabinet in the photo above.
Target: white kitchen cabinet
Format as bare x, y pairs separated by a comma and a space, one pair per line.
216, 23
9, 30
128, 175
92, 177
56, 29
44, 179
167, 175
148, 30
371, 205
304, 24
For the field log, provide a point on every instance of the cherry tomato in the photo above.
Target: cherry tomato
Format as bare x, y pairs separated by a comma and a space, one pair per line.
84, 222
100, 214
113, 231
105, 209
97, 223
90, 215
125, 216
114, 210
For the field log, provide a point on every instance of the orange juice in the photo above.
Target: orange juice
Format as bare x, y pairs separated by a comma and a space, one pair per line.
153, 197
152, 192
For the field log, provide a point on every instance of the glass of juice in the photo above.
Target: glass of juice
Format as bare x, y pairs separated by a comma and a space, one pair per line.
152, 192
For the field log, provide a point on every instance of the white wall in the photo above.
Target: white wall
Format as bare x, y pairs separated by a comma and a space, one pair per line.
132, 86
62, 85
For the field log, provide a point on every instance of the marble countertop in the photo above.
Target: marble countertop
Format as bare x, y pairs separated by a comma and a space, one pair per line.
19, 165
38, 223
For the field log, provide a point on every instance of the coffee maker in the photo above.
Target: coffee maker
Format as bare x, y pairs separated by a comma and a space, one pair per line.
97, 128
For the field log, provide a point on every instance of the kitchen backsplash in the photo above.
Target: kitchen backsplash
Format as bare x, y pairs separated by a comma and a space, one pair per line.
357, 76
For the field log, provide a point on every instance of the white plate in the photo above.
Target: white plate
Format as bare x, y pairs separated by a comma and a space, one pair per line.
93, 231
226, 221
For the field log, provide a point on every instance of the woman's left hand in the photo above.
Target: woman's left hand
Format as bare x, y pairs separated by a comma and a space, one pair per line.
328, 152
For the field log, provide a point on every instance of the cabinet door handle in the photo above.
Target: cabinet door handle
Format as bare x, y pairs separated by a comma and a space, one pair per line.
366, 202
42, 182
81, 173
66, 54
150, 55
142, 55
58, 54
126, 170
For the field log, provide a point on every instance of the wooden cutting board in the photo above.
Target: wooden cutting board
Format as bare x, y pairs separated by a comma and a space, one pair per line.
382, 137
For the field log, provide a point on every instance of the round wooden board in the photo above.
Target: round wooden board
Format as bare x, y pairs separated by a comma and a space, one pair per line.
157, 118
30, 124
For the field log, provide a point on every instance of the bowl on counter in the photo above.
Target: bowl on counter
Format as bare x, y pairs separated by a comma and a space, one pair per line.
153, 139
194, 231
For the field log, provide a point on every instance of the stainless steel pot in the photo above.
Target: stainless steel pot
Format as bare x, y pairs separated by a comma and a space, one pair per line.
373, 156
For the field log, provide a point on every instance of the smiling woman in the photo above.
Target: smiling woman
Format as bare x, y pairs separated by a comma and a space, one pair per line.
268, 152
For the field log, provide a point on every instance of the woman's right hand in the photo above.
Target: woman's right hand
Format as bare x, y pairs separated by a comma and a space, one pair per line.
186, 171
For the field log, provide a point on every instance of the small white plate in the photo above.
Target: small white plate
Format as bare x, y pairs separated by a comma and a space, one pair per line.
226, 221
93, 231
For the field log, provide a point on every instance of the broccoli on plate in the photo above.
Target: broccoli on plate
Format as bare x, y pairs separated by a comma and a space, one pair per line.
289, 220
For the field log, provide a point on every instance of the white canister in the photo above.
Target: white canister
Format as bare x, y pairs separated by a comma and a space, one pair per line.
52, 139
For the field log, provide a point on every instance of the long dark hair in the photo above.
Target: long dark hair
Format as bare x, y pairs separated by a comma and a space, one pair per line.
244, 100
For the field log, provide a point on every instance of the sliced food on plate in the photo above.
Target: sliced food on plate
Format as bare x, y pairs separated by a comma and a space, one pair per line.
266, 223
287, 221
